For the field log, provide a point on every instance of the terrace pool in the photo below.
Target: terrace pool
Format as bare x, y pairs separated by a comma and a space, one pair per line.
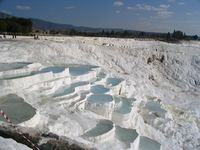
148, 144
126, 135
100, 99
68, 89
54, 69
81, 69
113, 81
16, 108
101, 128
155, 107
124, 105
99, 89
13, 66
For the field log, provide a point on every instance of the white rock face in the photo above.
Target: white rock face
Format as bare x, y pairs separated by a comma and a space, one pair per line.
9, 144
103, 109
143, 143
162, 78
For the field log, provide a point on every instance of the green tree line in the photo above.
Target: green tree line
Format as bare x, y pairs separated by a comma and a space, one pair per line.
15, 25
169, 37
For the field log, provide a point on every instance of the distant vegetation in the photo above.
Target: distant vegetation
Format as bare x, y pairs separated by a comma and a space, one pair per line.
22, 26
15, 25
168, 37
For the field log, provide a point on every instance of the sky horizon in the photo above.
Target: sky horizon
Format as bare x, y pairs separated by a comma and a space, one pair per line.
142, 15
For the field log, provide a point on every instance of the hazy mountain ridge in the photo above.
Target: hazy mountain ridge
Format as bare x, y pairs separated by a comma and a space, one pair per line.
4, 15
48, 25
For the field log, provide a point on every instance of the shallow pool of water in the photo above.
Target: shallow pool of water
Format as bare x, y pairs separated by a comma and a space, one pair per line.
124, 105
99, 99
13, 66
101, 128
68, 89
54, 69
113, 81
16, 108
155, 107
19, 76
126, 135
99, 89
148, 144
81, 69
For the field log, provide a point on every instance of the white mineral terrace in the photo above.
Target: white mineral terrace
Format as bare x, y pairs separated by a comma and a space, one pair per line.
104, 95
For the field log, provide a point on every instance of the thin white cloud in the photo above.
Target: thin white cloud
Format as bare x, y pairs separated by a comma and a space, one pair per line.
131, 8
163, 14
164, 6
188, 13
194, 13
117, 11
23, 7
177, 2
6, 12
69, 7
170, 1
146, 7
118, 3
161, 11
181, 3
137, 14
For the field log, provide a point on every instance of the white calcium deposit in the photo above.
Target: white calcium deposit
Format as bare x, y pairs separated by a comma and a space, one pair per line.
147, 95
9, 144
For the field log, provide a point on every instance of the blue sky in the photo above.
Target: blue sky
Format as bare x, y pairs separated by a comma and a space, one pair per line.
146, 15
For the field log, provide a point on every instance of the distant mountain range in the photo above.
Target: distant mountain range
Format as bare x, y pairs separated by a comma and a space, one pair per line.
47, 25
4, 15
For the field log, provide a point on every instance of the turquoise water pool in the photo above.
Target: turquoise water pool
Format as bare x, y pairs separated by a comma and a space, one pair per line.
13, 66
113, 81
54, 69
124, 105
99, 99
81, 69
148, 144
126, 135
16, 108
68, 89
101, 128
99, 89
155, 107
